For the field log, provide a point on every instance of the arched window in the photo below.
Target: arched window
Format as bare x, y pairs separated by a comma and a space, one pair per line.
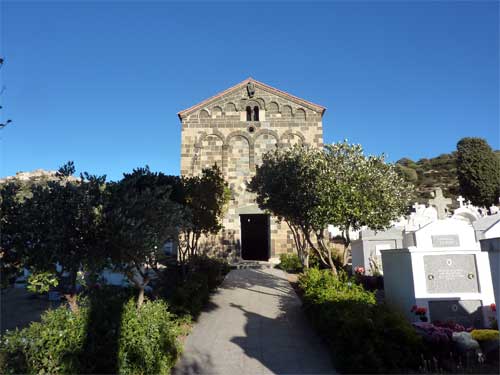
256, 113
249, 113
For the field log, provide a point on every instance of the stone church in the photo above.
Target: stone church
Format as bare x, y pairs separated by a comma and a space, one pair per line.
233, 129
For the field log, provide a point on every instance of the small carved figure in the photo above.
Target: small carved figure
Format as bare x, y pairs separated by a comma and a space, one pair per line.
250, 89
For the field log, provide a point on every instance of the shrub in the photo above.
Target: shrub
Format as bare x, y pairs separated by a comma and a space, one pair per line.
52, 346
485, 334
105, 307
147, 343
109, 335
213, 270
363, 336
188, 289
290, 263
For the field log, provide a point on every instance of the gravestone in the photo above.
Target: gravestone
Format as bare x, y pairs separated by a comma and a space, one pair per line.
441, 203
366, 251
468, 313
441, 268
454, 273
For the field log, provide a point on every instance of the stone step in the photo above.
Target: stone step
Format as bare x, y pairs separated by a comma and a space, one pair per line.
253, 264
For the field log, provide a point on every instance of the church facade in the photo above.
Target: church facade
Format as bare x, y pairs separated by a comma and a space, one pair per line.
233, 129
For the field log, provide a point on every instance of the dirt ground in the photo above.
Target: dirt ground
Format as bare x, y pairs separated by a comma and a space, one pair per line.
18, 308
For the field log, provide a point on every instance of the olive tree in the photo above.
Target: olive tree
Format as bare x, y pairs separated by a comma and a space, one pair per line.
311, 188
359, 190
284, 185
140, 218
11, 222
205, 197
56, 231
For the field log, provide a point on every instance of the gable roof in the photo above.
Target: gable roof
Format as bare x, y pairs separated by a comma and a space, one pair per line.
260, 85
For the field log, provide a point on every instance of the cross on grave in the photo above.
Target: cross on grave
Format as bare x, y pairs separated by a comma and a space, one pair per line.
440, 202
461, 200
416, 206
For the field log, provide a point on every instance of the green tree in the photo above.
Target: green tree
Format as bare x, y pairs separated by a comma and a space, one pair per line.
140, 218
478, 170
60, 231
284, 185
11, 224
359, 190
310, 189
205, 197
408, 173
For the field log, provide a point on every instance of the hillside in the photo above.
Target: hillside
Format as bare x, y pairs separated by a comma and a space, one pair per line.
428, 174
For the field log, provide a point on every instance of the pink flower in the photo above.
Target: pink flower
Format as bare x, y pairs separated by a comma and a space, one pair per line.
421, 311
359, 270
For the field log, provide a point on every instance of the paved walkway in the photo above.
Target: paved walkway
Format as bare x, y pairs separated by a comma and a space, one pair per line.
254, 325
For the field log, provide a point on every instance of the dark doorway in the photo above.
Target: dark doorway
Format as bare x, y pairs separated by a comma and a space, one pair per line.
254, 237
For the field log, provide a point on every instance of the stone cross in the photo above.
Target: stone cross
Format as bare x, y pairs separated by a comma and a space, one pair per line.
440, 202
461, 200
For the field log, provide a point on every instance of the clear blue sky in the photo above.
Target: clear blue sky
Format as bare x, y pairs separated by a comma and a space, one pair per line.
100, 83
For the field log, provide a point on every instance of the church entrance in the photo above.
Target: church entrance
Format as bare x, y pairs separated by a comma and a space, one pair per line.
255, 237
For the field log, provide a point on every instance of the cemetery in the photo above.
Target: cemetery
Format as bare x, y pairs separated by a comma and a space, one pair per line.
387, 286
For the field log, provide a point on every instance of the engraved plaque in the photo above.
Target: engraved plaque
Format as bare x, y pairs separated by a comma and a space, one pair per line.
446, 240
468, 313
454, 273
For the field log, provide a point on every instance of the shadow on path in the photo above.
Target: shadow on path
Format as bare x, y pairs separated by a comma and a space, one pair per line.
255, 326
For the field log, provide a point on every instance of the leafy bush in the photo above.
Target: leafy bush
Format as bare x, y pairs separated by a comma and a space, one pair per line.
147, 343
290, 263
363, 336
188, 289
213, 270
485, 334
52, 346
108, 335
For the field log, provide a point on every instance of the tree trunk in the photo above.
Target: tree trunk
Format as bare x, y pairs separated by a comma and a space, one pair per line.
326, 249
73, 304
140, 297
70, 294
347, 242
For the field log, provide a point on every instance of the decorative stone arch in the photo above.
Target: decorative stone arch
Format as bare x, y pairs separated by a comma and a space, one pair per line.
269, 132
273, 107
251, 146
216, 110
300, 114
204, 135
292, 133
204, 113
241, 134
286, 111
230, 107
262, 103
265, 140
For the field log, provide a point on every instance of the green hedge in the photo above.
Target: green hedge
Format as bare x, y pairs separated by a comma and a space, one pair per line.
363, 336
